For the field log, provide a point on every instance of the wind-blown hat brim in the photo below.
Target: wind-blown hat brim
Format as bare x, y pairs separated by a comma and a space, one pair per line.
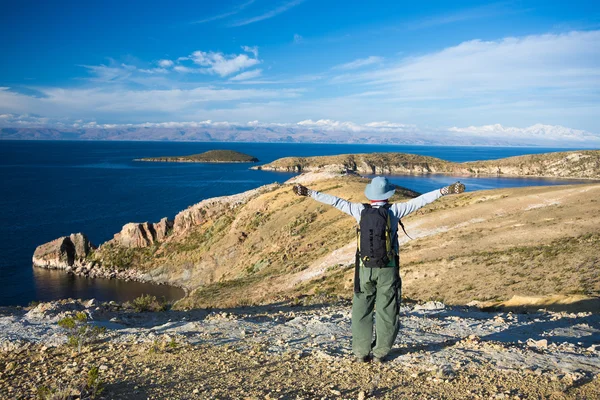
373, 193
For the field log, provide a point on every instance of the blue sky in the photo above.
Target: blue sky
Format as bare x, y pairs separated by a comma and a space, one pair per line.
466, 65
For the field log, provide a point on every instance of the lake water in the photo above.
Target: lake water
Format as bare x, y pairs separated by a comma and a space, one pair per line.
54, 188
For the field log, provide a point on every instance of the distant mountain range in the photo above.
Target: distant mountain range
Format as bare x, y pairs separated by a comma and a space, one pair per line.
492, 135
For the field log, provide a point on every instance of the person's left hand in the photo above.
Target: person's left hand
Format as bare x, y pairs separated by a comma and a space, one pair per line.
455, 188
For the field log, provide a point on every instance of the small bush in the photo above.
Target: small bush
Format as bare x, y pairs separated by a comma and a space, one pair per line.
159, 346
94, 384
79, 330
90, 389
147, 302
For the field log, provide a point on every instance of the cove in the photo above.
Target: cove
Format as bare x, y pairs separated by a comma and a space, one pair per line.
54, 284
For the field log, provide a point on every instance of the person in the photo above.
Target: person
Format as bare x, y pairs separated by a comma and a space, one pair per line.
377, 282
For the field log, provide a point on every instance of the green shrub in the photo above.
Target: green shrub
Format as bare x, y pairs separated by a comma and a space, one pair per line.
90, 389
79, 330
94, 384
147, 302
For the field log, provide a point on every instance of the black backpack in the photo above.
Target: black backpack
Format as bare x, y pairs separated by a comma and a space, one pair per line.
375, 242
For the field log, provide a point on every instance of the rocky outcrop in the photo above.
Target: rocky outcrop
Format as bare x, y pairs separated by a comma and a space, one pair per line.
210, 208
71, 254
67, 252
145, 234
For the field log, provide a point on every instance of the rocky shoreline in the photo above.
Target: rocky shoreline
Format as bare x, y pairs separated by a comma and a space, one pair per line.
76, 254
71, 254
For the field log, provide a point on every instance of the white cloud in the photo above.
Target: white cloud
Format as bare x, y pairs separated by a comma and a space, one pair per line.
113, 72
537, 131
155, 71
298, 38
488, 10
223, 64
381, 126
225, 14
251, 49
359, 63
185, 70
269, 14
247, 75
165, 63
553, 79
548, 62
119, 104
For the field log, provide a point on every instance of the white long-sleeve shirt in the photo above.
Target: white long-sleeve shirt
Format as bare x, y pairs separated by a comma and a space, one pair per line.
397, 210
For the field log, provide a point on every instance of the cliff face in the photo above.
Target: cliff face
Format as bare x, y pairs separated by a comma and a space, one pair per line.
66, 252
140, 235
574, 164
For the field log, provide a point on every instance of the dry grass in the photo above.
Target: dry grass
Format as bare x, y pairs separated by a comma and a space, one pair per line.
487, 245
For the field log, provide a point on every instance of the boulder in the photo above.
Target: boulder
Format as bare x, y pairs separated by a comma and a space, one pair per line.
63, 253
139, 235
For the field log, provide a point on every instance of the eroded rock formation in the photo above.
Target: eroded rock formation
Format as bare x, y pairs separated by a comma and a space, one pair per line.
66, 252
140, 235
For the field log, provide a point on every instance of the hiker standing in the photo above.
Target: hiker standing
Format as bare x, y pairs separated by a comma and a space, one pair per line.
377, 277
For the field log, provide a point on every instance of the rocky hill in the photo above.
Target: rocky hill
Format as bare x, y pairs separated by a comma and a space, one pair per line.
572, 164
211, 156
267, 244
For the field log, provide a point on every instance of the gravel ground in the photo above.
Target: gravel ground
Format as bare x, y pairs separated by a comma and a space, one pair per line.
282, 351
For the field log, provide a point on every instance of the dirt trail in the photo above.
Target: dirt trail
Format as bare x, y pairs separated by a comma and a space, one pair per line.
277, 350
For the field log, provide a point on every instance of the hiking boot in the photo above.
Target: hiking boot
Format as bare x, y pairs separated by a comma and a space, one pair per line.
363, 359
379, 360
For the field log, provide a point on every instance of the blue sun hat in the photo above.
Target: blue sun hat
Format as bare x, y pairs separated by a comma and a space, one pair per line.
379, 189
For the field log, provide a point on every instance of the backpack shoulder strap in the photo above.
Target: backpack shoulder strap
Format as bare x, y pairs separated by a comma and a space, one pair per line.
387, 206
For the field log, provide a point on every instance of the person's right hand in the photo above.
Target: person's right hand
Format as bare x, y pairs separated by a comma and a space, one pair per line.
301, 190
455, 188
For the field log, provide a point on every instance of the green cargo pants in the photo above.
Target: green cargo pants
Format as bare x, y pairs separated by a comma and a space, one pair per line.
380, 288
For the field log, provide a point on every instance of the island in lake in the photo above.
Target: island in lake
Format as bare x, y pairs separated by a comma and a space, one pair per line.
211, 156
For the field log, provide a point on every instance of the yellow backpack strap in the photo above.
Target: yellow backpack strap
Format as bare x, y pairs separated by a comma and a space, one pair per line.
388, 231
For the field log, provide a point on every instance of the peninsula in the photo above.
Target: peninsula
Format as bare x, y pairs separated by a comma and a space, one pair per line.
582, 164
211, 156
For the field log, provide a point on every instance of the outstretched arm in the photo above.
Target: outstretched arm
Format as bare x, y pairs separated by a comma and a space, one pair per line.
403, 209
349, 208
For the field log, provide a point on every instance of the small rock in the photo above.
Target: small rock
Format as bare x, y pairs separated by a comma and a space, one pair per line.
196, 391
103, 367
430, 306
361, 395
540, 344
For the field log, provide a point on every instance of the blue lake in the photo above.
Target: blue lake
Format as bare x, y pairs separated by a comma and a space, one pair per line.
54, 188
